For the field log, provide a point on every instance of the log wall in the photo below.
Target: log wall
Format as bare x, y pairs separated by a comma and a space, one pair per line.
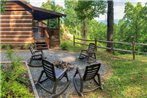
16, 24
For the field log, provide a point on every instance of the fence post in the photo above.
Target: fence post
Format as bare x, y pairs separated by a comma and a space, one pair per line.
96, 44
133, 49
74, 41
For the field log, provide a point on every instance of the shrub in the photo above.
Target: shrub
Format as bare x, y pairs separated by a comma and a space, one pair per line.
14, 80
64, 45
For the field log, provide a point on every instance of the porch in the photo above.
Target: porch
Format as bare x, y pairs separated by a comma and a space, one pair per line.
45, 37
46, 28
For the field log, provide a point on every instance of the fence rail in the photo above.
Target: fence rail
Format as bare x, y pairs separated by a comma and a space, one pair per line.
132, 44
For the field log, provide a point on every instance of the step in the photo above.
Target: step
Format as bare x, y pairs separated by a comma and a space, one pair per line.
42, 48
40, 45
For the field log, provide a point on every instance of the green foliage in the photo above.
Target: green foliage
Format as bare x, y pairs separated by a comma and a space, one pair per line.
71, 21
87, 10
64, 45
68, 45
2, 7
132, 26
14, 46
50, 5
133, 23
96, 30
90, 9
52, 23
14, 82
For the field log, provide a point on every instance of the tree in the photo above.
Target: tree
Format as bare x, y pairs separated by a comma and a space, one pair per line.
96, 30
87, 10
71, 21
133, 19
133, 25
110, 19
50, 5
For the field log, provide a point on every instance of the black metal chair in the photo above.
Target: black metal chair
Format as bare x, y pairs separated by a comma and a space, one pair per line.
89, 54
36, 55
55, 75
91, 73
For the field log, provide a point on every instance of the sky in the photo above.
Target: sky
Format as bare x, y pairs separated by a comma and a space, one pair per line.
118, 7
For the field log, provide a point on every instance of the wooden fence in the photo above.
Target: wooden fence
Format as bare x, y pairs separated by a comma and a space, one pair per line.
132, 44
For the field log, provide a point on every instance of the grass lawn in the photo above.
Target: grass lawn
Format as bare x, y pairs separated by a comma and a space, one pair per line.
128, 78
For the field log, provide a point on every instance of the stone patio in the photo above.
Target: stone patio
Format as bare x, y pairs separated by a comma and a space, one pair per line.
54, 55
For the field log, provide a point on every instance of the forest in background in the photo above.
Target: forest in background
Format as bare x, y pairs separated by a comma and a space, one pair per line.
131, 27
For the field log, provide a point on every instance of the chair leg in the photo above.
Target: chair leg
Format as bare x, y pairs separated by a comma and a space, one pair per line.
56, 95
81, 87
30, 61
54, 88
39, 82
66, 76
76, 87
99, 80
40, 77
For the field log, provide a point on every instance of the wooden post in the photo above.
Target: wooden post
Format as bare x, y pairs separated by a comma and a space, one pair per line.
133, 49
74, 41
96, 43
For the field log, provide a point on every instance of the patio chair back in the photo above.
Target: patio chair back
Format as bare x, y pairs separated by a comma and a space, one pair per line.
31, 49
91, 71
49, 70
91, 48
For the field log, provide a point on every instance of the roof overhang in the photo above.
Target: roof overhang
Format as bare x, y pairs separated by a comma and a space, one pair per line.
43, 14
40, 13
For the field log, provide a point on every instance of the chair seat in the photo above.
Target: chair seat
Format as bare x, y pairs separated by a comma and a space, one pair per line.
37, 53
58, 72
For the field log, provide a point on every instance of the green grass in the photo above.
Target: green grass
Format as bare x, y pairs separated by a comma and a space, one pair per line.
128, 78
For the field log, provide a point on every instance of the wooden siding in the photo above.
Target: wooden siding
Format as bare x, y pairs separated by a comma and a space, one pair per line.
15, 6
16, 24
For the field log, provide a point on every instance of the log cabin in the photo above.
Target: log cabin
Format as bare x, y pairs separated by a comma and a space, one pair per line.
22, 23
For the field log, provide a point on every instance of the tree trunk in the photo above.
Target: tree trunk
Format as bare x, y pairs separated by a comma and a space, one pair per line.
110, 19
84, 30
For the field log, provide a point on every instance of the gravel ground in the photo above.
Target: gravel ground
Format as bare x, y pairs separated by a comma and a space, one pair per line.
54, 55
